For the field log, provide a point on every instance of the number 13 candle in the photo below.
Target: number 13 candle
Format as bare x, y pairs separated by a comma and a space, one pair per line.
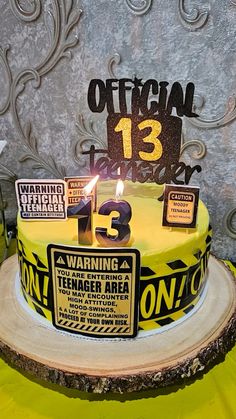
120, 223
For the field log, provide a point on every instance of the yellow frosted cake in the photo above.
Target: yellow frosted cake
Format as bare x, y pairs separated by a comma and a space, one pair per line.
173, 260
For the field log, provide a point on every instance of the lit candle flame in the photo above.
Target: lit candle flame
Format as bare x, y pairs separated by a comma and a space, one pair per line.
89, 187
119, 189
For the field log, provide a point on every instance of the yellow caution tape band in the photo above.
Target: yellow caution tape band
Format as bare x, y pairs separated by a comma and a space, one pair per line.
166, 294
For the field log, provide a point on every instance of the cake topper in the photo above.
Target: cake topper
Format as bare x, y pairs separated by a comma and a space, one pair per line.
75, 186
95, 292
143, 130
41, 199
180, 206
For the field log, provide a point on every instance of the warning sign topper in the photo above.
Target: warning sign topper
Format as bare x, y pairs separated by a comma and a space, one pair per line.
75, 191
180, 206
95, 292
41, 199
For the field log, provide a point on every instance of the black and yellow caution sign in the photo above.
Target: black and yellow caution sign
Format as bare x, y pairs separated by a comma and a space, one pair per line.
180, 206
75, 192
95, 293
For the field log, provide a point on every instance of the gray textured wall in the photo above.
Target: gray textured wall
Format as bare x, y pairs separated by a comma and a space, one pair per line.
50, 51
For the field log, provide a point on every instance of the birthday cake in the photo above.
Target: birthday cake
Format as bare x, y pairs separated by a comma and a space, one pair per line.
118, 266
173, 265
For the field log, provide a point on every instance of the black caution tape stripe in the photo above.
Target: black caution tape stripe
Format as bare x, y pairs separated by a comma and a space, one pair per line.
208, 239
165, 321
198, 254
120, 330
82, 327
39, 262
62, 322
177, 264
146, 271
39, 310
188, 309
160, 323
100, 330
22, 247
94, 329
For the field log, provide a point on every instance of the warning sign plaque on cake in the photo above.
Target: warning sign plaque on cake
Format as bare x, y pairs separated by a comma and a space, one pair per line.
75, 190
41, 199
95, 291
180, 206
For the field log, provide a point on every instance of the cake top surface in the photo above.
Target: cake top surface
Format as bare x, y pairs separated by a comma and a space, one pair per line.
147, 233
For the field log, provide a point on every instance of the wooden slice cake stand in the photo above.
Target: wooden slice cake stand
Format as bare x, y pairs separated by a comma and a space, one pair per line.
148, 361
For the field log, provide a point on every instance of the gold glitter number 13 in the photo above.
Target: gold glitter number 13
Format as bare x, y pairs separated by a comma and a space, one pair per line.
125, 126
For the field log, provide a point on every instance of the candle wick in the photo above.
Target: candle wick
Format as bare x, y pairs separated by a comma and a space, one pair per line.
119, 189
118, 196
